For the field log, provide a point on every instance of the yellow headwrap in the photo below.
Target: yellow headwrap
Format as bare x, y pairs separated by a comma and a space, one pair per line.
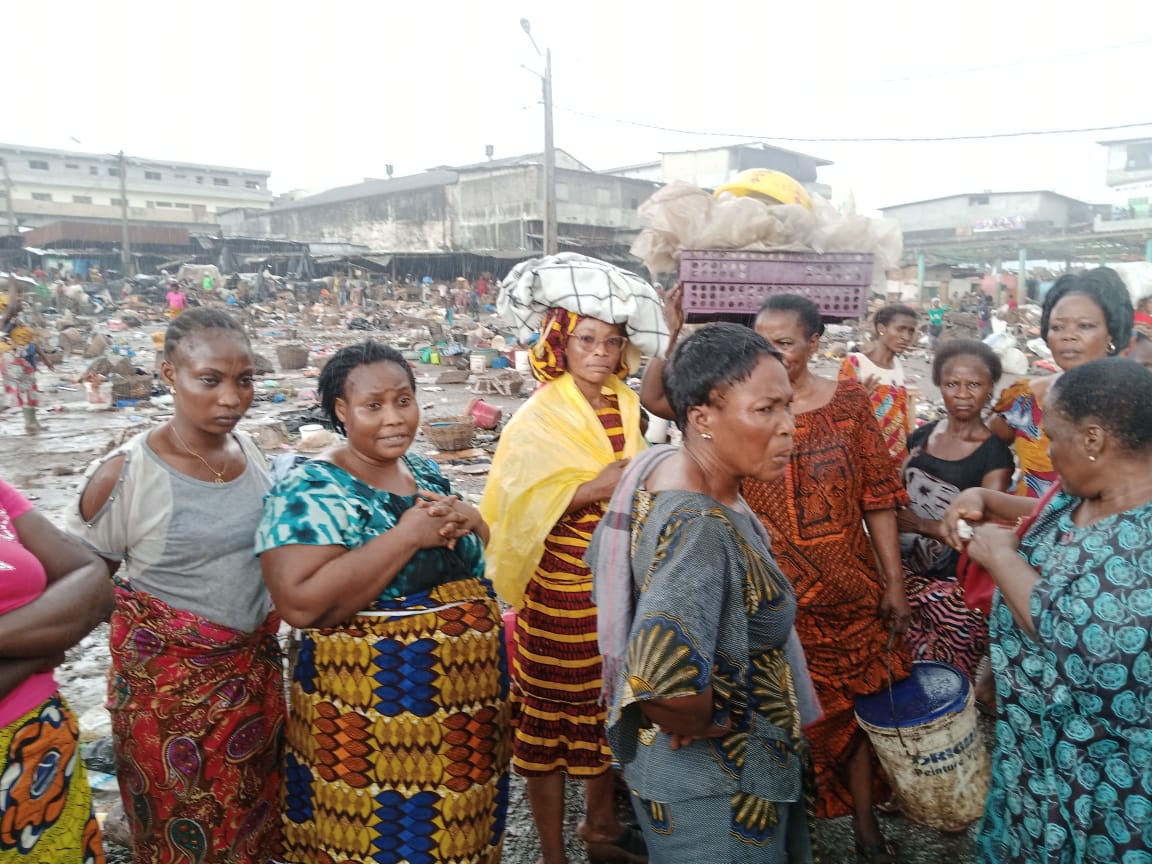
547, 355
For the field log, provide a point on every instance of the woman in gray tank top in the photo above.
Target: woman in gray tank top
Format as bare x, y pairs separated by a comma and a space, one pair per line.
195, 694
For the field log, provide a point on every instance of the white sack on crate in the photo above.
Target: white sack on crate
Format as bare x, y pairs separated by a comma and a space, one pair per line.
683, 216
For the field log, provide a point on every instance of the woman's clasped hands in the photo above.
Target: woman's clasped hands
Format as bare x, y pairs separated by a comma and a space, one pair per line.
441, 520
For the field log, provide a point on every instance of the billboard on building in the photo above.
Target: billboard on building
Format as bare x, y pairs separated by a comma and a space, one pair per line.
999, 223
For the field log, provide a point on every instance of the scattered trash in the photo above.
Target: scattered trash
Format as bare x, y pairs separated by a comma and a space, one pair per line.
95, 723
98, 755
486, 416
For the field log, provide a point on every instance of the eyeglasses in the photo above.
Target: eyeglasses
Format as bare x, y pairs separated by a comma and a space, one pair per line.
589, 343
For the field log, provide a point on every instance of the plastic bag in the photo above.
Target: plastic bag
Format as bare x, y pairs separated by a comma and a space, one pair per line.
683, 216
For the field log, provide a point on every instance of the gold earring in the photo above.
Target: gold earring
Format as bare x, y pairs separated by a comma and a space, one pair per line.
1091, 458
1111, 347
707, 436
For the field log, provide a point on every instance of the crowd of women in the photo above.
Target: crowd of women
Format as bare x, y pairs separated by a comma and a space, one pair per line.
701, 617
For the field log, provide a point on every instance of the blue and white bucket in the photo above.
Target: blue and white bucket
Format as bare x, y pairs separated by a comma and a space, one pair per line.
925, 733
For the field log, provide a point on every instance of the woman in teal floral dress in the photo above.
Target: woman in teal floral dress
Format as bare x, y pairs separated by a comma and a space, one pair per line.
397, 737
704, 678
1070, 628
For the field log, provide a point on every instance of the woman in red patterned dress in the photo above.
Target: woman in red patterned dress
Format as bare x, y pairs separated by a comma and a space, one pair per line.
850, 611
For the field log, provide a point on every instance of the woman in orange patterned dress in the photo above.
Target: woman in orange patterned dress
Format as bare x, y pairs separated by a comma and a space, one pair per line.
841, 479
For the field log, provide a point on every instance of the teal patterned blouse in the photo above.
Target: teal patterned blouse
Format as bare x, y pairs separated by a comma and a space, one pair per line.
320, 504
1072, 768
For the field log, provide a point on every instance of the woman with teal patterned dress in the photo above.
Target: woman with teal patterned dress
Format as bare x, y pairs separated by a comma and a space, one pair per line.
397, 737
704, 678
1070, 627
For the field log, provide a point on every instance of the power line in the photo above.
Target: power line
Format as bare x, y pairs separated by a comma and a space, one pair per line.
951, 73
877, 140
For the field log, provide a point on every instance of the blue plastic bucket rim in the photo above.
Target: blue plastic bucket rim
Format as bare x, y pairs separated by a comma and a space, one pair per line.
933, 690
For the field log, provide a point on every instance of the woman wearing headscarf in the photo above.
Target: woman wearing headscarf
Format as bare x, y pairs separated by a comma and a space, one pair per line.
558, 461
704, 677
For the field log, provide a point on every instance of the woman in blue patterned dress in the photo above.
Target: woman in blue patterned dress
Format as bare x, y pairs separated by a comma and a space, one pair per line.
397, 737
1070, 628
704, 678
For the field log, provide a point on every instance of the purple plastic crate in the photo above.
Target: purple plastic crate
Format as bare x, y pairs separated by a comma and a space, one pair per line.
720, 284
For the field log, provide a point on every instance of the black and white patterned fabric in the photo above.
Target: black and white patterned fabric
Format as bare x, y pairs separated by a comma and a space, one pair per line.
586, 286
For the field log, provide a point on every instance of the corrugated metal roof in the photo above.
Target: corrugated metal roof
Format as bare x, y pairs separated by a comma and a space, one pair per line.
371, 189
513, 161
71, 232
754, 145
983, 194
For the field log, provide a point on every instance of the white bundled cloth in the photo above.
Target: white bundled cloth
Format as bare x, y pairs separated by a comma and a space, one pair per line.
588, 287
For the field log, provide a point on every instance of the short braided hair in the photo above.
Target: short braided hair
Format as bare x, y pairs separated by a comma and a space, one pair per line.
334, 378
193, 321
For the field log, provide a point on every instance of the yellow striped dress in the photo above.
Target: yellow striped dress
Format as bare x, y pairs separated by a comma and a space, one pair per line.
558, 719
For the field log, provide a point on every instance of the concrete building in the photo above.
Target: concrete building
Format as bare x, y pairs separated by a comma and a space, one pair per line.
1129, 173
990, 213
493, 208
1129, 161
715, 166
53, 185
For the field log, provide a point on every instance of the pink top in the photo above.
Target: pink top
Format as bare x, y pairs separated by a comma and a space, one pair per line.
22, 580
176, 299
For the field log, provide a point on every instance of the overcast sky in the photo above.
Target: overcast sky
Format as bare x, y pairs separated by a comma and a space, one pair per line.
327, 93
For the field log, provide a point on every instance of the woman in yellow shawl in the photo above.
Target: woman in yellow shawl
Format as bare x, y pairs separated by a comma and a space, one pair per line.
557, 463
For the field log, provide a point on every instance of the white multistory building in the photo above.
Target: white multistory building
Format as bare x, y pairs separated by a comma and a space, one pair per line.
48, 186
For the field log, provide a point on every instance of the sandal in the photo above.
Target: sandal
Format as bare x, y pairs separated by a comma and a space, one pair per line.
890, 807
880, 853
629, 847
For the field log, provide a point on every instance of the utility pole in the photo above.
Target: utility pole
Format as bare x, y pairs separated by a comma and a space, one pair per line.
551, 238
12, 227
125, 247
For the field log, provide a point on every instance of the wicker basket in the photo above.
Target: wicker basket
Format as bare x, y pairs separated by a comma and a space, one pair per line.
292, 356
136, 387
450, 433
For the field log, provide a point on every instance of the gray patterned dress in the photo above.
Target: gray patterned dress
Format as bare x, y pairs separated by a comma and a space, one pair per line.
713, 609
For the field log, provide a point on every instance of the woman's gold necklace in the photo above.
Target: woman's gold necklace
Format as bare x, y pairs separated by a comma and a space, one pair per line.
219, 474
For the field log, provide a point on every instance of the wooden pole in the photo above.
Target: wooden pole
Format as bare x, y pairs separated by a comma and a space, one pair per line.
125, 243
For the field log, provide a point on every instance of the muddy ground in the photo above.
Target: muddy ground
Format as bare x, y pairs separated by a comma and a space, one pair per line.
49, 467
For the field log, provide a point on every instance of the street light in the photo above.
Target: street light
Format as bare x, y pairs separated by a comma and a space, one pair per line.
551, 241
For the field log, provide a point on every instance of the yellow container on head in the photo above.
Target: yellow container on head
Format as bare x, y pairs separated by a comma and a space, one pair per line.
772, 187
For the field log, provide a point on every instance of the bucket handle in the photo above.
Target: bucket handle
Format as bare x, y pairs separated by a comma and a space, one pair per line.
891, 694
